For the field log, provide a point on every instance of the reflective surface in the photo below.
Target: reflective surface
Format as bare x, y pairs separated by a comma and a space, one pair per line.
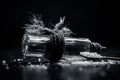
58, 72
67, 69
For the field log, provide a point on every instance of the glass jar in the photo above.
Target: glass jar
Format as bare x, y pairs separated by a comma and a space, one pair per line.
35, 46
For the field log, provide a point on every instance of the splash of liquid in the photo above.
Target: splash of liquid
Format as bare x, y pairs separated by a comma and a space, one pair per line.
37, 27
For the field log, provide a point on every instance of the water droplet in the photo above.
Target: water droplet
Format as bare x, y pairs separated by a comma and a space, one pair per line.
29, 63
7, 67
4, 62
39, 60
14, 60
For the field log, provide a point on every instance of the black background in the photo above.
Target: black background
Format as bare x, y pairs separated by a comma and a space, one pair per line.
94, 19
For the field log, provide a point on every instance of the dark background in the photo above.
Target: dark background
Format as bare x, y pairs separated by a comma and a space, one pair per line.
94, 19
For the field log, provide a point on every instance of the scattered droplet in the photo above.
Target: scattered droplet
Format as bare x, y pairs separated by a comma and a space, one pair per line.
29, 63
7, 67
14, 60
18, 60
4, 62
21, 59
39, 59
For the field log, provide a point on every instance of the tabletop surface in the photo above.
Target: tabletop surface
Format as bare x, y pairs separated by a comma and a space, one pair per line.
71, 68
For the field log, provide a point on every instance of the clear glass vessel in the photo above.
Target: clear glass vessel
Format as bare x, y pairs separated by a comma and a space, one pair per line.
35, 46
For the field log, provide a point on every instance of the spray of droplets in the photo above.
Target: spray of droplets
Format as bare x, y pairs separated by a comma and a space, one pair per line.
37, 26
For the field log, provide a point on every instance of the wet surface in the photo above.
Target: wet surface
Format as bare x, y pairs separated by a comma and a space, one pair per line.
69, 68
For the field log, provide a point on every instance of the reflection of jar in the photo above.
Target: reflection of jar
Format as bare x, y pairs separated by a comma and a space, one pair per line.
35, 46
